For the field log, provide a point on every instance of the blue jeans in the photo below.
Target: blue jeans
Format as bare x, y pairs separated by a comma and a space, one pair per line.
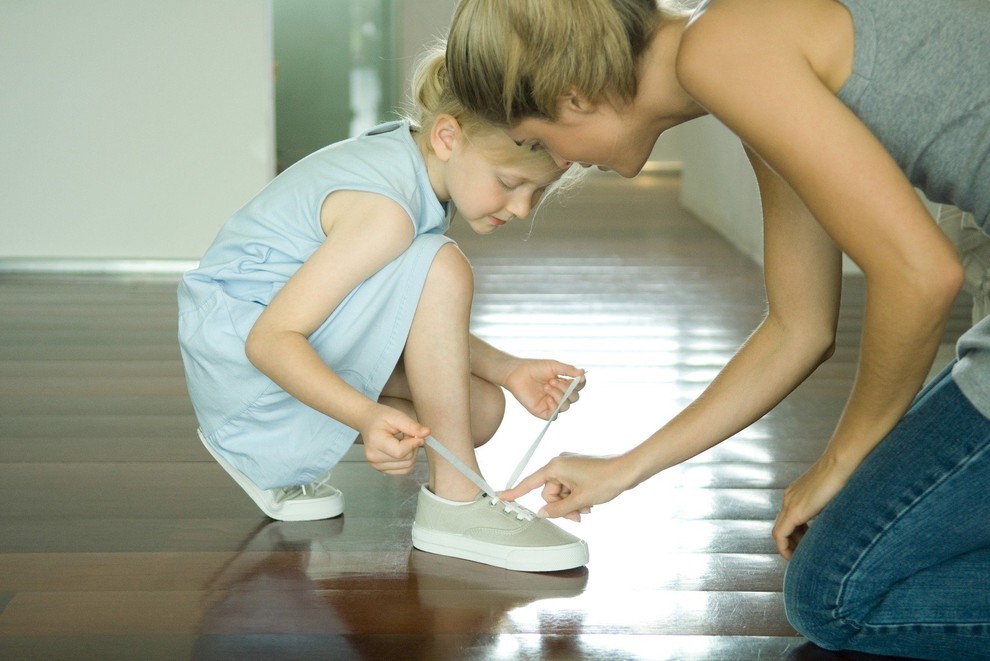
899, 562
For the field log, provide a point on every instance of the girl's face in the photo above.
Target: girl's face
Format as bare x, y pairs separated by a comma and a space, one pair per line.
487, 194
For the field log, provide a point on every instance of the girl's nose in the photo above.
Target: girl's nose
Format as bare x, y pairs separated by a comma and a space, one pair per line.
520, 205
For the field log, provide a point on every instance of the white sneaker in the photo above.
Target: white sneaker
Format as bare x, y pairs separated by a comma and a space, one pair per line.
494, 532
443, 582
304, 502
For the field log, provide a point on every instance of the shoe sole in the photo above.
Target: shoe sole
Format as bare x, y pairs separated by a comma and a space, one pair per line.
311, 509
516, 558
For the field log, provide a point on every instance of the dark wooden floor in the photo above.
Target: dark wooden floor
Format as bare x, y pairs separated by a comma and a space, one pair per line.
121, 539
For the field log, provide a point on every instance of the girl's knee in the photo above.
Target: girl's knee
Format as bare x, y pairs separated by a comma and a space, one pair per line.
451, 269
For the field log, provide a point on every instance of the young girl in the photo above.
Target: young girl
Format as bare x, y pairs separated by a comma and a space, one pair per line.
842, 105
332, 305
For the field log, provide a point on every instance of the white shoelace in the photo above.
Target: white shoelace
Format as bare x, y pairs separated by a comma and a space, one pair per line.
532, 448
288, 493
520, 511
315, 486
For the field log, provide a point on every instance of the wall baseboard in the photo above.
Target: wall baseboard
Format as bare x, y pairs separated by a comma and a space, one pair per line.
71, 266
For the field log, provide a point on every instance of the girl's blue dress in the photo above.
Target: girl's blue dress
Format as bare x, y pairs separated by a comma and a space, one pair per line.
259, 428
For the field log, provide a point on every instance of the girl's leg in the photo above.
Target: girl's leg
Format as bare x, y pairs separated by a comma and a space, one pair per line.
487, 403
453, 520
438, 370
898, 563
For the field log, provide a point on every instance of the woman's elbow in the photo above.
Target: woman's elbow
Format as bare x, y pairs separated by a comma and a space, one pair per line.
812, 341
939, 287
822, 343
953, 281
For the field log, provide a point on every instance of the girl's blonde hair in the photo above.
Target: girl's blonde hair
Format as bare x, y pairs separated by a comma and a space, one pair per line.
432, 97
509, 60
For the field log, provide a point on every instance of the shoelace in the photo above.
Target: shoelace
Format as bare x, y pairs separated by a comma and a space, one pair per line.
532, 448
315, 486
288, 493
512, 507
480, 482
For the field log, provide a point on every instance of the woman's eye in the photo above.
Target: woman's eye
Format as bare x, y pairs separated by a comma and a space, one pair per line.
533, 146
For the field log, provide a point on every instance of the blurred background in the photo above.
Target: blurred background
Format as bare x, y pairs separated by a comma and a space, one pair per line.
131, 129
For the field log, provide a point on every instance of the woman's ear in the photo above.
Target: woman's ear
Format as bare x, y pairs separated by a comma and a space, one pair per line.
576, 102
444, 135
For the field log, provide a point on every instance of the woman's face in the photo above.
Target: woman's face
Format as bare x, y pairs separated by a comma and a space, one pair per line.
588, 134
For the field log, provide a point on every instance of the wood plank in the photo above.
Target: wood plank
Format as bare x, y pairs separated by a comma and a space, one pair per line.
120, 538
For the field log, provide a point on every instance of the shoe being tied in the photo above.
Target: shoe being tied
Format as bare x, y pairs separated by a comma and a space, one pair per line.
494, 532
305, 502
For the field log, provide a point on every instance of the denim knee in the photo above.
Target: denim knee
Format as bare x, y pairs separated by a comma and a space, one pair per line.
810, 600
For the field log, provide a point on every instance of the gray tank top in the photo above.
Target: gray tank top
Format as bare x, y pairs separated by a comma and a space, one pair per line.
921, 82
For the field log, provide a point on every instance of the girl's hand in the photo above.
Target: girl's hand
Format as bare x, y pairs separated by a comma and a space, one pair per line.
572, 483
392, 440
803, 500
538, 386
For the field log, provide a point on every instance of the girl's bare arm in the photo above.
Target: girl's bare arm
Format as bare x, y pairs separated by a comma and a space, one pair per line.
364, 233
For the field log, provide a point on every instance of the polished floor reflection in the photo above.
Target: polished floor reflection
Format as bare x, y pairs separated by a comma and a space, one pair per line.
121, 539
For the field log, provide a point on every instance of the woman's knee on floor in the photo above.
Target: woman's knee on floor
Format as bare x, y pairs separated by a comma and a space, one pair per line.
810, 599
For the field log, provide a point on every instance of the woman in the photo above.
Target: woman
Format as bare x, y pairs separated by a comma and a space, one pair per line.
844, 107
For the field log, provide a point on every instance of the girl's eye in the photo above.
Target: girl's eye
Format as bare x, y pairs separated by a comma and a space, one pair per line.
506, 185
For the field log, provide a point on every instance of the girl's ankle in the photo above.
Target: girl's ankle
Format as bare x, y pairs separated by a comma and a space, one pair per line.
455, 491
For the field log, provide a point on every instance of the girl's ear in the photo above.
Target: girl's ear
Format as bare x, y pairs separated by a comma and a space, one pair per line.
444, 135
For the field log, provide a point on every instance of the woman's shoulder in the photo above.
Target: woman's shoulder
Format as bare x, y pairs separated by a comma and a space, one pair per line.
742, 20
759, 36
759, 19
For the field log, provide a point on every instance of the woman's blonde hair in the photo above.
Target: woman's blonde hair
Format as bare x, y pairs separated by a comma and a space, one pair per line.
432, 97
513, 59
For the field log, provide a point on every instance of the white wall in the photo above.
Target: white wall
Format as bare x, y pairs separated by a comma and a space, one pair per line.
423, 22
718, 184
130, 129
720, 188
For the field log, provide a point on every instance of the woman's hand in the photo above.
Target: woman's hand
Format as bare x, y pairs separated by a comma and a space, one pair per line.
392, 440
572, 483
538, 386
804, 499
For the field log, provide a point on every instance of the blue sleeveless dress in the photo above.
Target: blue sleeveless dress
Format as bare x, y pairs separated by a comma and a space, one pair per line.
263, 431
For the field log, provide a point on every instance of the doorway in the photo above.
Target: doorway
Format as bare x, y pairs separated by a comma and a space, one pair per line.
336, 71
